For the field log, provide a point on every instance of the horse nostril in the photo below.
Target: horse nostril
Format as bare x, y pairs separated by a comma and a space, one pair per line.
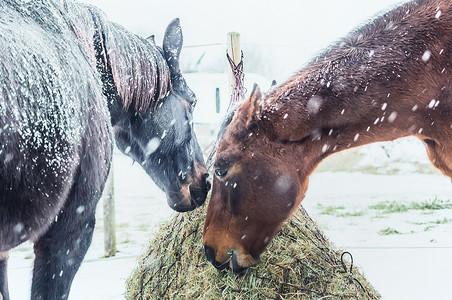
205, 182
210, 254
234, 265
198, 195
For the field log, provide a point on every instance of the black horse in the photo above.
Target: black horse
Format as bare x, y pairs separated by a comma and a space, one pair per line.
68, 80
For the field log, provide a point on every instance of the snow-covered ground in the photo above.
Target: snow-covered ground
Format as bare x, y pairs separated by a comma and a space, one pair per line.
406, 255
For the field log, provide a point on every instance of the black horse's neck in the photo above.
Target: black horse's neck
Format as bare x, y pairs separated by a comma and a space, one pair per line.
103, 67
134, 88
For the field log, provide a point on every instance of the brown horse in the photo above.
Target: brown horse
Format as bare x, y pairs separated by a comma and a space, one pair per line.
386, 80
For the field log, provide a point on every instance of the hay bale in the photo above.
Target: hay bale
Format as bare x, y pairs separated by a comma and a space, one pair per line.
299, 262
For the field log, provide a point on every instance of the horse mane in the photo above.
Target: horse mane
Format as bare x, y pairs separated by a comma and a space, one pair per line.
362, 47
224, 125
139, 71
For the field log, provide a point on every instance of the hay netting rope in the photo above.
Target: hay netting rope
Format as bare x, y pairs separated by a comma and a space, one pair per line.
299, 263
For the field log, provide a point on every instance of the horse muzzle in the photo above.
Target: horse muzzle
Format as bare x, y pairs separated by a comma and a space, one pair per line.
235, 262
199, 193
190, 195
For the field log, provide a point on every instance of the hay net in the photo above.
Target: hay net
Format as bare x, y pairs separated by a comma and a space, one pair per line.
299, 263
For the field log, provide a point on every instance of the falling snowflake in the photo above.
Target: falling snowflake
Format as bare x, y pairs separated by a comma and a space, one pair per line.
152, 146
426, 56
314, 104
438, 14
392, 117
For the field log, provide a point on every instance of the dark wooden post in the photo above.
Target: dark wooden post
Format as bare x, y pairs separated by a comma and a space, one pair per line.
109, 216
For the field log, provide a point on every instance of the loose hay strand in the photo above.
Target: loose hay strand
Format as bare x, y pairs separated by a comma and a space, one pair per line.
299, 263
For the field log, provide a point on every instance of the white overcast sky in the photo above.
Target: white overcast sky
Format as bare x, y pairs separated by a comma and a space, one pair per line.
284, 22
298, 28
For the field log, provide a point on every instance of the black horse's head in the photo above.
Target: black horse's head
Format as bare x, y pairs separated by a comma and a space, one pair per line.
162, 138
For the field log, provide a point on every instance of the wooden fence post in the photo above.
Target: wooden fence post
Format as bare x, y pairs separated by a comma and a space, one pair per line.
235, 53
109, 215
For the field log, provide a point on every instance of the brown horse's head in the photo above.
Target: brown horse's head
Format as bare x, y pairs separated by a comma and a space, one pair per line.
253, 192
377, 84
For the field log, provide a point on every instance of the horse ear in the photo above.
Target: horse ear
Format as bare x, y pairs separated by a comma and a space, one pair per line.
151, 39
255, 105
172, 44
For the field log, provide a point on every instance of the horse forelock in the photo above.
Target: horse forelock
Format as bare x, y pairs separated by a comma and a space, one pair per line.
140, 72
224, 124
238, 129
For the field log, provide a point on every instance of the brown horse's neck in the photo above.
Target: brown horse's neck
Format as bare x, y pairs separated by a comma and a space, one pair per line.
334, 123
380, 83
323, 125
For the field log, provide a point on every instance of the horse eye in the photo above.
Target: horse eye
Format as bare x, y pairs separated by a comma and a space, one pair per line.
220, 173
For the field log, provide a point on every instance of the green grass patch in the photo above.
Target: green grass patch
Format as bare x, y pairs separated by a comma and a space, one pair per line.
388, 231
436, 222
390, 207
442, 221
357, 213
329, 210
338, 211
435, 204
428, 228
400, 207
